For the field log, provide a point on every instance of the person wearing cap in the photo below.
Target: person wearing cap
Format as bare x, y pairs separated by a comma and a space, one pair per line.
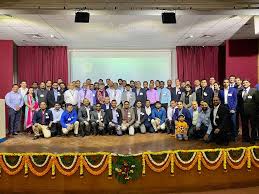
181, 128
158, 117
69, 120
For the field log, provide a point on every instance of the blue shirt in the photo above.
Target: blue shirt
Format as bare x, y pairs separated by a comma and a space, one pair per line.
94, 97
14, 99
68, 118
56, 114
161, 114
204, 118
164, 95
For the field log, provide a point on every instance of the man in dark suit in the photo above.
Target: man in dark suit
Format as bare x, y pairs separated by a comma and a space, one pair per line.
54, 96
97, 120
176, 91
247, 107
228, 97
204, 93
42, 121
140, 93
113, 119
140, 117
84, 117
219, 117
107, 104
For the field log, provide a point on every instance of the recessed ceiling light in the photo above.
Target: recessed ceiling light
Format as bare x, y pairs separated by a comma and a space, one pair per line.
234, 16
52, 36
191, 36
206, 36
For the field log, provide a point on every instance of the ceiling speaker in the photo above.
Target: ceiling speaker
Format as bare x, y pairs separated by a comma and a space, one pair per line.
82, 17
168, 18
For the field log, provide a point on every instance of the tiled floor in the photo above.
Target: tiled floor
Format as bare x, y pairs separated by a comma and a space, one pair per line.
124, 144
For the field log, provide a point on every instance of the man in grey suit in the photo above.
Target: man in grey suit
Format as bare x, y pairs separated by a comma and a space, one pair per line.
84, 116
140, 93
140, 117
247, 107
97, 120
128, 95
128, 118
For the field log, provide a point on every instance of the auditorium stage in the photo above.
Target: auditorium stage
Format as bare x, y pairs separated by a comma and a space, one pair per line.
122, 145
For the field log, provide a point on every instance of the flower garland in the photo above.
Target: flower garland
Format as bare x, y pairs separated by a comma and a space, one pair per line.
161, 163
10, 166
67, 167
98, 165
40, 165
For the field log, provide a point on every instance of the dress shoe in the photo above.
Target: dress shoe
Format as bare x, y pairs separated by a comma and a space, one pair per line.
15, 133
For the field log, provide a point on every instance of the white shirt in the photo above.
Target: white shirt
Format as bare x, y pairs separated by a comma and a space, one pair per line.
195, 116
56, 114
225, 96
88, 113
148, 110
215, 111
23, 91
71, 97
245, 91
170, 112
99, 114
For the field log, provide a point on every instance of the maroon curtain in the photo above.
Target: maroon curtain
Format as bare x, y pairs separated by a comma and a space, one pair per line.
197, 62
40, 63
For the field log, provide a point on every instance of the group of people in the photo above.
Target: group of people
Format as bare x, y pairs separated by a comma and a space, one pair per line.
195, 110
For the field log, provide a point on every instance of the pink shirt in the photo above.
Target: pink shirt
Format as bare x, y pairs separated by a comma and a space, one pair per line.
152, 96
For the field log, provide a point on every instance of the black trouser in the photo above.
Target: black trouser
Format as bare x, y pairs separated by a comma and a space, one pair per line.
257, 126
247, 118
170, 126
197, 134
56, 129
97, 129
14, 120
220, 138
165, 105
85, 129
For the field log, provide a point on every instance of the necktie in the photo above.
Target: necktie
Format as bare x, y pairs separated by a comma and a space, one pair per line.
245, 94
43, 118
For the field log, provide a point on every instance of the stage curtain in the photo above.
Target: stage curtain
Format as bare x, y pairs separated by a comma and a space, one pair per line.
41, 63
197, 62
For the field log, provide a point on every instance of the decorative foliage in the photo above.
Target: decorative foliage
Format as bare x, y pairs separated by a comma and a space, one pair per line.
127, 167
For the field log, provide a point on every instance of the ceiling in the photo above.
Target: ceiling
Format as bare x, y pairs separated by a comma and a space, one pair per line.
130, 4
119, 31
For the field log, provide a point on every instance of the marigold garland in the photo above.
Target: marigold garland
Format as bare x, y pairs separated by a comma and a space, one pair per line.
97, 172
191, 165
42, 173
9, 172
154, 168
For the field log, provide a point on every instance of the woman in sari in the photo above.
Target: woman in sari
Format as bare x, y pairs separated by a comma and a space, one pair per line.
31, 105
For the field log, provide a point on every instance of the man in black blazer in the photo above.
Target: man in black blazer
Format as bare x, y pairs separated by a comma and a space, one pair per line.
176, 91
54, 96
205, 93
220, 121
42, 120
140, 117
84, 117
113, 119
247, 107
140, 93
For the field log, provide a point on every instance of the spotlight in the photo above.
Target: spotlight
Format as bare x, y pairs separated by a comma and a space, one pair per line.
168, 18
82, 17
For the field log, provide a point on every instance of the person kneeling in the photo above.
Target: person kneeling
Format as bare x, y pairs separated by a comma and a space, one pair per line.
42, 121
141, 117
158, 117
69, 120
84, 117
113, 119
181, 128
97, 120
128, 118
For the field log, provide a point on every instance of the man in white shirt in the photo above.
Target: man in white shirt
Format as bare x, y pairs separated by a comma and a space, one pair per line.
129, 96
170, 124
23, 89
114, 93
71, 95
147, 123
84, 117
97, 120
56, 129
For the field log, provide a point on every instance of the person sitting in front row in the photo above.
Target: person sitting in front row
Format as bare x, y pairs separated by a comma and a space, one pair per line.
97, 120
42, 121
84, 116
113, 119
141, 117
181, 128
69, 120
158, 117
128, 118
56, 129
